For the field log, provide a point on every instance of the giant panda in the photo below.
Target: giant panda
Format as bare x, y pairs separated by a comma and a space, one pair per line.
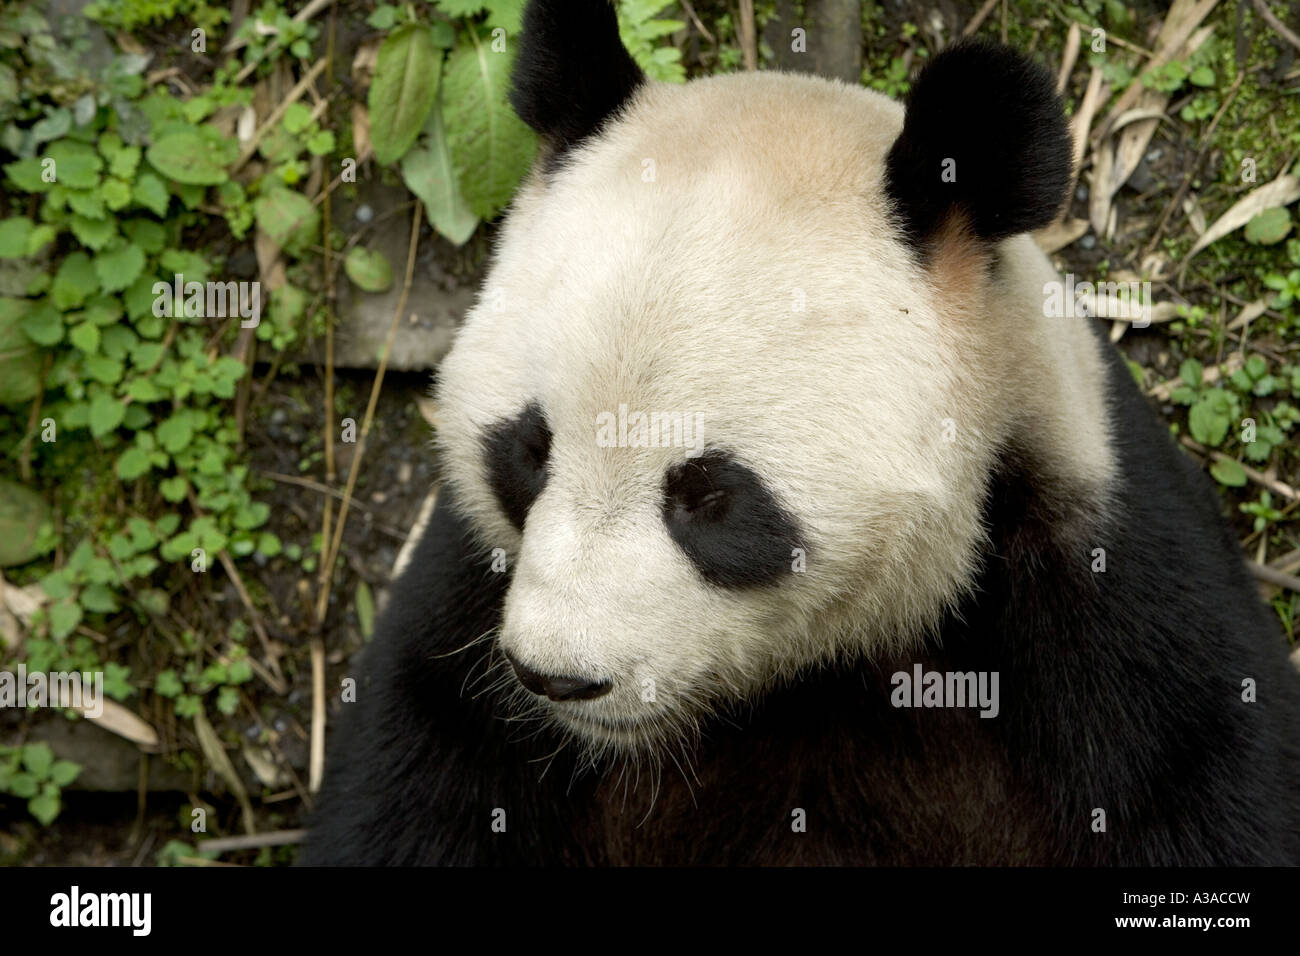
877, 459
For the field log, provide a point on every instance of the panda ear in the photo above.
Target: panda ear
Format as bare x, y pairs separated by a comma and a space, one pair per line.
985, 137
572, 72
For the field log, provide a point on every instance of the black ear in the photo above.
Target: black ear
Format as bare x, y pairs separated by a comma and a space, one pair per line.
572, 72
985, 136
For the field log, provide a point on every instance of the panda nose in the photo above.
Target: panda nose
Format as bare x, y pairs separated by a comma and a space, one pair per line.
559, 688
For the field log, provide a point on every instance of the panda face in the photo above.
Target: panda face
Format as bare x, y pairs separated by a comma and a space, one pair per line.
691, 406
744, 362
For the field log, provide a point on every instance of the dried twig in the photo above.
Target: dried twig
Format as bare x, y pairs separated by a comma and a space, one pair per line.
1269, 17
316, 765
303, 15
331, 552
979, 17
1272, 484
695, 18
1276, 578
294, 95
253, 841
1190, 174
277, 679
748, 34
1175, 35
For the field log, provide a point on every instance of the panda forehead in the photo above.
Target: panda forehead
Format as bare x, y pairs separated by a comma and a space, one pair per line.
803, 134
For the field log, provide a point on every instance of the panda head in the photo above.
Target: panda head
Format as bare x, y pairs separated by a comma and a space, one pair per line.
731, 396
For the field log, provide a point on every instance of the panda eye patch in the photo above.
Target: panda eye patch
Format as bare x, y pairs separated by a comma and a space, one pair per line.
728, 523
516, 451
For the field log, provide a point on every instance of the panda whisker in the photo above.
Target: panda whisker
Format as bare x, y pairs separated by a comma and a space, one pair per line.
486, 635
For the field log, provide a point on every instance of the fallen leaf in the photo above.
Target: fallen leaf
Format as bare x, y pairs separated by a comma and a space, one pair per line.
219, 761
1280, 192
1060, 234
125, 723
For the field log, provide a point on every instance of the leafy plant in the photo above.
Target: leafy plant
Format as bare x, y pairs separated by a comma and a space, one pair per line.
32, 773
438, 103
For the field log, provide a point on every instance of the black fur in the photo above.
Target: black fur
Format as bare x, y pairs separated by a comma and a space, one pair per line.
1119, 690
996, 114
515, 452
727, 521
572, 72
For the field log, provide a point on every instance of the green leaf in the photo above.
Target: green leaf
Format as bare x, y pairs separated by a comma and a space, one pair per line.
124, 162
146, 234
1228, 472
28, 175
38, 758
106, 414
462, 8
187, 157
1208, 420
319, 144
76, 165
75, 282
23, 785
167, 684
98, 598
40, 237
175, 433
296, 117
104, 369
369, 271
45, 807
64, 618
510, 15
20, 363
365, 604
119, 266
173, 489
491, 148
1202, 76
116, 193
22, 513
430, 175
150, 191
287, 217
1268, 226
85, 337
86, 202
1191, 372
14, 233
93, 233
63, 772
403, 91
43, 324
133, 463
117, 684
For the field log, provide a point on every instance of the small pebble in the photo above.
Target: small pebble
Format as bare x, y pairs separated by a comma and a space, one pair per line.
1088, 241
364, 214
1081, 193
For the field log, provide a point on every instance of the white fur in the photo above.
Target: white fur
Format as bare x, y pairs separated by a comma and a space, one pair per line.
676, 295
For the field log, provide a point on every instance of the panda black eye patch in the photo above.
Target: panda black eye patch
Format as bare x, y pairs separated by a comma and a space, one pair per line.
728, 523
516, 451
